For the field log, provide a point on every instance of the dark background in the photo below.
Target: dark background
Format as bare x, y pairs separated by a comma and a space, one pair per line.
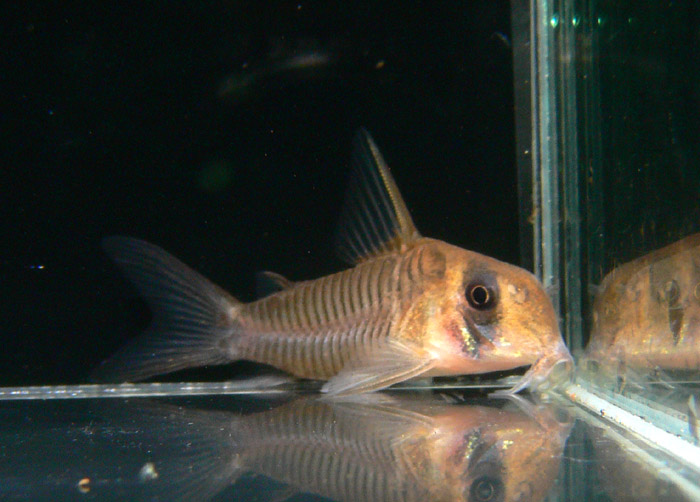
114, 122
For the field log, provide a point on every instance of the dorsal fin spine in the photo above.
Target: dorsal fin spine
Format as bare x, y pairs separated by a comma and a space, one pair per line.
375, 219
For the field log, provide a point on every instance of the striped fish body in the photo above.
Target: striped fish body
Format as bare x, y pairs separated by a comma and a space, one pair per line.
315, 328
410, 306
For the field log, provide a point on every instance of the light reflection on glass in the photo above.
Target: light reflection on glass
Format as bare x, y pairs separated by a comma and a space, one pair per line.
625, 474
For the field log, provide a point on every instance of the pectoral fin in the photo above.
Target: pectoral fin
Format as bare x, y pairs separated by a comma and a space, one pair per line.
390, 363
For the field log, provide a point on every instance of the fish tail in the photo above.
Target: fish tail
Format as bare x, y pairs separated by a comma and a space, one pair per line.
194, 321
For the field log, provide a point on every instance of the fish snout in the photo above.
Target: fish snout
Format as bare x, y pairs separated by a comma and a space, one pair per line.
559, 373
553, 370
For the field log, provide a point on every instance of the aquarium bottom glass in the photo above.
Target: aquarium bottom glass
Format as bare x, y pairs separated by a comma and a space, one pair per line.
272, 439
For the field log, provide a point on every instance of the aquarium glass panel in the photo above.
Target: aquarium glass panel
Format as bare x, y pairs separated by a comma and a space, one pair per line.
614, 199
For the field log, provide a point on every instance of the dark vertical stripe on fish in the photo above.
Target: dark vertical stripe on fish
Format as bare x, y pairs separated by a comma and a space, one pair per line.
279, 350
415, 264
295, 317
328, 355
420, 259
307, 352
303, 458
409, 276
408, 267
255, 313
377, 278
270, 313
343, 471
315, 316
338, 349
255, 350
329, 300
345, 302
339, 296
370, 334
304, 354
282, 314
289, 351
306, 306
261, 311
352, 285
302, 304
306, 467
319, 303
270, 349
298, 351
380, 332
364, 286
387, 282
351, 342
286, 310
316, 349
325, 351
375, 295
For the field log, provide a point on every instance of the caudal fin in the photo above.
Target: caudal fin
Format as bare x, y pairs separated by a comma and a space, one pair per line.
192, 317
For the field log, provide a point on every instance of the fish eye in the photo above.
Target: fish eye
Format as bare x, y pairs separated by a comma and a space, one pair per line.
485, 489
480, 297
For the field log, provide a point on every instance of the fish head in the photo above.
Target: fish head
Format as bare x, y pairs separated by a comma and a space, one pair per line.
497, 316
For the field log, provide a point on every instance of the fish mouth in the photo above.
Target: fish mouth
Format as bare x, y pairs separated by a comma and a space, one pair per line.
549, 372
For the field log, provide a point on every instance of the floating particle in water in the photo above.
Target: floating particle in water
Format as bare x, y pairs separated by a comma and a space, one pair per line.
84, 485
501, 38
148, 472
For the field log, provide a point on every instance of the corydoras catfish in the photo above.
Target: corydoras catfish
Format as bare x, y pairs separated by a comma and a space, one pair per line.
410, 307
647, 311
405, 447
373, 448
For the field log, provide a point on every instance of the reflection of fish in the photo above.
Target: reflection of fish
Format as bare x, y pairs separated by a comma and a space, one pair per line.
411, 306
403, 450
647, 311
378, 448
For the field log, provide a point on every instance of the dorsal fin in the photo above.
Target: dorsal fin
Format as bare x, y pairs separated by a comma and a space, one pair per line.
374, 219
267, 283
